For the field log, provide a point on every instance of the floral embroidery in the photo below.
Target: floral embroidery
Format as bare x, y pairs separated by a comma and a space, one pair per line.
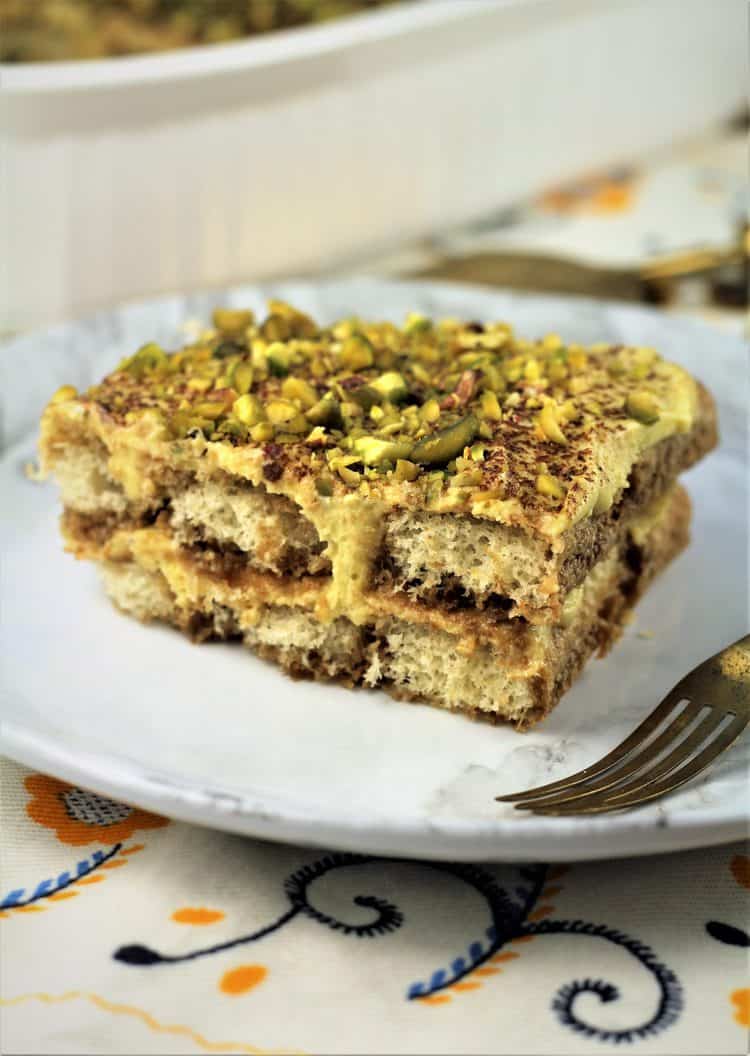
611, 192
197, 915
78, 817
58, 888
516, 918
741, 999
240, 980
727, 934
149, 1021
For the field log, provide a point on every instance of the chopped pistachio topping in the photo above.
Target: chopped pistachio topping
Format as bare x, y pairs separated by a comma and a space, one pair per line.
406, 470
300, 391
277, 355
489, 406
248, 409
577, 360
374, 450
147, 358
430, 411
261, 432
643, 406
391, 386
210, 408
446, 443
317, 437
349, 476
466, 478
241, 378
284, 412
550, 425
65, 392
550, 486
456, 408
532, 371
232, 321
416, 323
327, 411
357, 352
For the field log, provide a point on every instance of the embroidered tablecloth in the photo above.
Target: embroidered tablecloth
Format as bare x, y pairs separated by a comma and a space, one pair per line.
123, 932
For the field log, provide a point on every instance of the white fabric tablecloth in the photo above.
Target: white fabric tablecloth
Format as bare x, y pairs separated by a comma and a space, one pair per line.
124, 933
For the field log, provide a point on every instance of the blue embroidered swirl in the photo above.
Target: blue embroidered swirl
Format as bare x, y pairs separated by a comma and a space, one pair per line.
509, 921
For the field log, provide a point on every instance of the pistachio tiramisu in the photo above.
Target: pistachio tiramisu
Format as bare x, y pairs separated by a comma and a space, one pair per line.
445, 509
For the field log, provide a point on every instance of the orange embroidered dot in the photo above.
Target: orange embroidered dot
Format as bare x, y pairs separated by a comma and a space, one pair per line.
240, 980
741, 1001
501, 957
197, 915
612, 198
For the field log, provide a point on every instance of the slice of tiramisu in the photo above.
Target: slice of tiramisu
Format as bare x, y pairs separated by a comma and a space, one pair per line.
447, 510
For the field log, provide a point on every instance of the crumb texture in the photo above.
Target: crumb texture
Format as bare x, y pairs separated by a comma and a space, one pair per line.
419, 660
270, 529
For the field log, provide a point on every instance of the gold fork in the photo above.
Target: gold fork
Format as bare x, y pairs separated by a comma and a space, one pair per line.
704, 714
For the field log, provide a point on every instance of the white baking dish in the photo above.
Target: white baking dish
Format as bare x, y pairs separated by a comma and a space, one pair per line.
293, 152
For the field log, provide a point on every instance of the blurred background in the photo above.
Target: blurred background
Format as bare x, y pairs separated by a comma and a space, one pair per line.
583, 146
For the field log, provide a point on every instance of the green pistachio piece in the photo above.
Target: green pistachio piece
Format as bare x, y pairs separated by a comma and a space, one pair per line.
390, 386
447, 443
372, 450
278, 359
232, 320
357, 352
366, 396
327, 411
642, 406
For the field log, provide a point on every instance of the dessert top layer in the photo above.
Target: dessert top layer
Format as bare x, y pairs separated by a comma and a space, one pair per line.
447, 416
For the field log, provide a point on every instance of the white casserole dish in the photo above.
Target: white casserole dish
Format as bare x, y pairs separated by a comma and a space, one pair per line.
297, 151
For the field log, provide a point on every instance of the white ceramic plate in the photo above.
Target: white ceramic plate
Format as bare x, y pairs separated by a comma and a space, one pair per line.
212, 735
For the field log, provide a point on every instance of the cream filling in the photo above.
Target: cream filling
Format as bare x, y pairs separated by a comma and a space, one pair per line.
353, 525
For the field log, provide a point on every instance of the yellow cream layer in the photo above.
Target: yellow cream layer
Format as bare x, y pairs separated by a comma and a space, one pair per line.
520, 647
141, 455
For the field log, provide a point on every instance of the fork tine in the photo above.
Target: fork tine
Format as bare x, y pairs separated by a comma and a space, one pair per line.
609, 798
679, 777
685, 750
620, 751
630, 767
